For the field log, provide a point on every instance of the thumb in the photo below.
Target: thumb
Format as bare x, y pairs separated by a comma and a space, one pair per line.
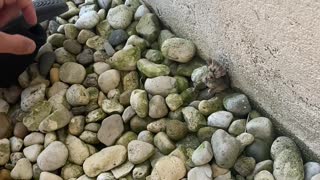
16, 44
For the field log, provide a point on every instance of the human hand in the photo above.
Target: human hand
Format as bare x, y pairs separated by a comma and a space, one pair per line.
9, 10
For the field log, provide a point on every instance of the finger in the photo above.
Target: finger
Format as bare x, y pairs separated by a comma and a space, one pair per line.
28, 11
8, 14
16, 44
9, 2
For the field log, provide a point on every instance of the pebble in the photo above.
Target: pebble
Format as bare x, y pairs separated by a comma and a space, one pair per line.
151, 69
261, 128
5, 128
94, 127
128, 113
117, 37
263, 165
109, 80
31, 96
137, 41
226, 148
104, 4
161, 85
71, 171
73, 10
163, 143
96, 43
176, 130
205, 133
316, 177
76, 125
202, 172
178, 49
5, 174
54, 75
88, 20
77, 95
84, 35
122, 170
49, 138
20, 130
218, 171
237, 103
141, 171
126, 138
157, 107
101, 67
89, 137
280, 144
22, 170
72, 73
108, 48
95, 115
88, 7
58, 119
46, 61
154, 56
259, 150
111, 129
56, 39
71, 31
194, 119
264, 175
141, 11
132, 4
157, 126
139, 102
148, 27
203, 154
245, 165
100, 56
107, 158
139, 151
104, 29
169, 168
33, 138
145, 136
47, 175
38, 112
112, 106
237, 127
15, 144
126, 58
32, 152
4, 151
120, 17
57, 150
78, 150
72, 46
311, 169
63, 56
220, 119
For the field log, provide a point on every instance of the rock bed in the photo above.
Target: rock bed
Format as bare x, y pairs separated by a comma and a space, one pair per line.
115, 96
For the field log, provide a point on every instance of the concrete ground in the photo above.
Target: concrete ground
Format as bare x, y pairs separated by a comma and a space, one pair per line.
272, 51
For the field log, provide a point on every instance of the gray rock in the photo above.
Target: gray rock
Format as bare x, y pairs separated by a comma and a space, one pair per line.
85, 57
137, 41
132, 4
178, 49
49, 138
94, 127
128, 113
112, 106
109, 80
316, 177
151, 69
56, 88
38, 112
106, 176
104, 29
78, 150
203, 154
225, 148
72, 73
108, 159
88, 20
117, 37
282, 143
202, 172
169, 168
245, 165
237, 127
163, 143
57, 150
76, 125
122, 170
51, 176
162, 85
46, 61
139, 102
53, 26
145, 136
220, 119
89, 137
32, 152
88, 7
261, 128
33, 138
63, 56
154, 56
126, 59
96, 43
139, 151
73, 10
261, 166
288, 165
15, 157
84, 35
149, 27
58, 119
71, 32
4, 151
311, 169
95, 115
101, 67
104, 4
15, 144
56, 39
110, 130
157, 107
108, 48
264, 175
77, 95
141, 171
91, 80
22, 170
194, 119
237, 103
259, 150
72, 46
120, 17
141, 11
32, 95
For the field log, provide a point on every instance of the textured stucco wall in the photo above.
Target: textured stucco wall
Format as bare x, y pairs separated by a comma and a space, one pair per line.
272, 49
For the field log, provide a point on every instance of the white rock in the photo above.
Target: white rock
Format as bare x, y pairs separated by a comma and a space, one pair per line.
88, 20
139, 151
120, 17
100, 67
202, 172
32, 152
49, 176
122, 170
53, 157
16, 144
106, 176
109, 80
78, 150
220, 119
169, 168
203, 154
33, 138
22, 170
32, 95
142, 10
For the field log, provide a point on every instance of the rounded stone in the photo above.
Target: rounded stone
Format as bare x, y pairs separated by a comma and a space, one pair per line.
316, 177
148, 27
176, 130
205, 133
78, 150
5, 174
101, 67
4, 151
139, 151
57, 150
151, 69
245, 165
72, 46
111, 129
20, 130
76, 125
47, 175
22, 170
145, 136
178, 49
109, 80
5, 128
46, 61
31, 96
264, 175
84, 35
220, 119
237, 127
77, 95
33, 138
117, 37
120, 17
237, 103
157, 107
32, 152
169, 168
63, 56
259, 150
163, 143
194, 119
202, 172
126, 138
72, 73
139, 102
126, 58
56, 120
203, 154
141, 11
261, 128
87, 20
311, 169
85, 57
280, 144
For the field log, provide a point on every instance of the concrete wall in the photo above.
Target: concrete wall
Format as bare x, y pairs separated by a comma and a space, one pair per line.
272, 49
